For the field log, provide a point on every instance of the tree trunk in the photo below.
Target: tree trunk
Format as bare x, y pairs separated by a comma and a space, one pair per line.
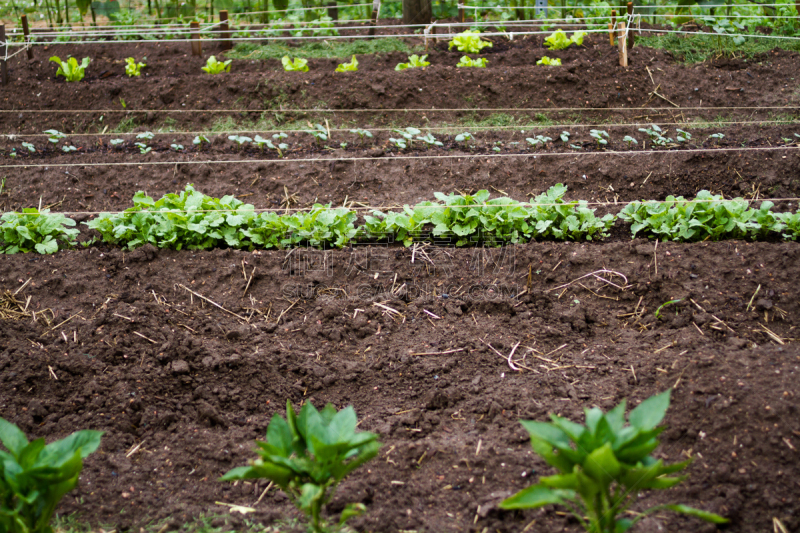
417, 12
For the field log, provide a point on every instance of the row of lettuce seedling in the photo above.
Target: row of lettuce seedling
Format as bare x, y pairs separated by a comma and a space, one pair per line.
193, 220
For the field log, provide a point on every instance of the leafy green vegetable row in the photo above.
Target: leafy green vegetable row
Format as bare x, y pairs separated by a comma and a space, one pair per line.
196, 221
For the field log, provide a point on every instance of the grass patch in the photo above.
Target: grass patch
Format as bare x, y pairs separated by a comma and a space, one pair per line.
323, 49
126, 125
699, 48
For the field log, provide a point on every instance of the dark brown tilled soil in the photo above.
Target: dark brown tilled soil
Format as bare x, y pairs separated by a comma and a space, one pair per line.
138, 356
590, 78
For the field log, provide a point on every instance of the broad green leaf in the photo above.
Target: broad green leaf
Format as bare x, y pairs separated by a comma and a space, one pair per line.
12, 438
536, 496
602, 465
352, 510
650, 412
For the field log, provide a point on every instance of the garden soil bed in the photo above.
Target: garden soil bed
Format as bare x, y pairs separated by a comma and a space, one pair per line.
182, 388
590, 78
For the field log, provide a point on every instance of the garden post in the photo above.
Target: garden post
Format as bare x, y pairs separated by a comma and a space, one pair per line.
197, 46
26, 32
611, 33
333, 11
630, 14
3, 53
462, 3
224, 28
376, 9
623, 46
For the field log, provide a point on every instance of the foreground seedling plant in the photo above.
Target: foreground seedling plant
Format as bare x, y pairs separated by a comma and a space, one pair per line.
217, 67
469, 42
35, 230
307, 455
70, 68
603, 466
35, 476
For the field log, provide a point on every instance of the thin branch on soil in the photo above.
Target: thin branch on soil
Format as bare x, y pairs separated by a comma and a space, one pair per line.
212, 302
145, 338
286, 311
440, 353
596, 275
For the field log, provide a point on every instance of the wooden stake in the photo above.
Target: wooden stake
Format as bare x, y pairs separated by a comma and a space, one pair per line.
622, 44
611, 33
614, 18
26, 31
3, 53
376, 8
333, 11
630, 14
197, 46
224, 30
461, 11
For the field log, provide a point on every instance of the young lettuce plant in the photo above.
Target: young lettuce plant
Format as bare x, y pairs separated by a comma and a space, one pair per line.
717, 137
630, 140
414, 61
176, 147
362, 134
465, 138
656, 135
240, 139
35, 476
564, 136
54, 136
603, 466
469, 42
558, 40
430, 140
407, 134
31, 230
29, 146
600, 136
217, 67
683, 136
132, 68
308, 455
467, 61
352, 66
143, 148
319, 133
549, 61
539, 140
296, 65
199, 140
116, 142
70, 68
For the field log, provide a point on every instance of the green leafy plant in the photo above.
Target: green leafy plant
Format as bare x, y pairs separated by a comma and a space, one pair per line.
469, 42
682, 136
600, 137
147, 135
143, 148
553, 62
791, 223
32, 229
296, 65
657, 137
132, 68
708, 216
603, 466
29, 147
466, 61
400, 144
68, 148
217, 67
54, 136
407, 135
116, 142
564, 136
717, 137
34, 476
70, 68
199, 140
558, 40
308, 454
464, 137
192, 220
352, 66
430, 140
539, 140
240, 139
662, 306
414, 61
320, 133
630, 140
176, 147
362, 134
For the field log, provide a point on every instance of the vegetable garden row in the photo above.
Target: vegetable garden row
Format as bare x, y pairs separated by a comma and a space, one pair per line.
187, 325
194, 221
